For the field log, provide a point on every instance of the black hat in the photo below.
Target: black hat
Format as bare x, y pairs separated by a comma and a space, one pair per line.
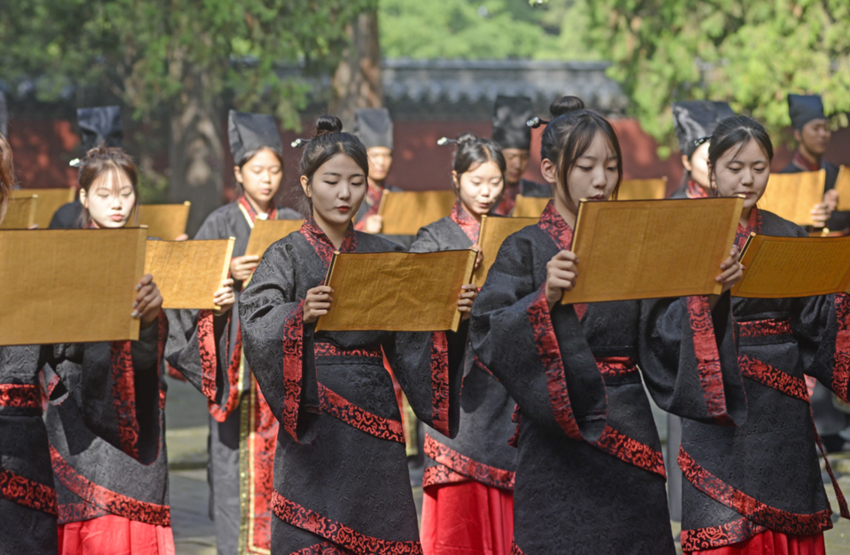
100, 125
4, 115
251, 132
509, 122
697, 119
374, 127
804, 108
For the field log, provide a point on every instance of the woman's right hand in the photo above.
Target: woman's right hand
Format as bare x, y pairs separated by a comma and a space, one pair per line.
561, 274
374, 224
242, 267
479, 258
317, 303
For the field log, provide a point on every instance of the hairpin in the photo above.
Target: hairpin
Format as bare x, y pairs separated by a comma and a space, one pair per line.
701, 140
536, 122
75, 163
298, 143
443, 141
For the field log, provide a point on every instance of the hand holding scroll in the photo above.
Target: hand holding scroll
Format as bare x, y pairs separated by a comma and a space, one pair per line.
466, 298
317, 303
561, 274
241, 267
823, 211
732, 270
148, 301
374, 224
224, 297
479, 259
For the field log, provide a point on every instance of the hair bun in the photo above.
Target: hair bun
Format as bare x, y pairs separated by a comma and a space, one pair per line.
467, 138
328, 124
565, 105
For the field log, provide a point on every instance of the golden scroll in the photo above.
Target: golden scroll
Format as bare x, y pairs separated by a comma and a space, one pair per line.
165, 221
20, 212
188, 273
793, 195
405, 212
49, 201
643, 189
493, 233
643, 249
842, 185
529, 207
69, 285
397, 291
266, 232
778, 267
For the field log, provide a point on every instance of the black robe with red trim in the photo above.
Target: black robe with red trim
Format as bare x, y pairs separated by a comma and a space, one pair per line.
27, 496
341, 481
207, 351
765, 474
480, 451
105, 428
590, 474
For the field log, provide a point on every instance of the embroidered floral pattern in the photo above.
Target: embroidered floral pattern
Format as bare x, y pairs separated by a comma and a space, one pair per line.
465, 466
340, 408
717, 536
440, 383
23, 396
708, 358
764, 328
27, 493
469, 225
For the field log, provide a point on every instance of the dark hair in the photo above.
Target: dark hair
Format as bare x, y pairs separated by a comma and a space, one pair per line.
551, 144
7, 175
737, 130
328, 141
473, 151
251, 153
101, 160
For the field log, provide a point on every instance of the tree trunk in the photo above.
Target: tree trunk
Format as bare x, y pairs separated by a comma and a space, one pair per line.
357, 79
196, 155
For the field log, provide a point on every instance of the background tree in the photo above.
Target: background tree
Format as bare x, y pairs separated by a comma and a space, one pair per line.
181, 60
357, 79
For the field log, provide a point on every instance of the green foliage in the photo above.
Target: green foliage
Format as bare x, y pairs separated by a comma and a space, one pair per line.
749, 52
482, 29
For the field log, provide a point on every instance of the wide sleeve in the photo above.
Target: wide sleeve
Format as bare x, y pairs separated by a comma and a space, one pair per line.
425, 242
540, 356
116, 388
277, 343
688, 356
822, 329
197, 348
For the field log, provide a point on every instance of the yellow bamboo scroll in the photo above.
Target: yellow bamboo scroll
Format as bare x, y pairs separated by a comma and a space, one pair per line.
793, 195
49, 201
493, 233
188, 273
20, 212
266, 232
405, 212
165, 221
842, 185
643, 189
529, 207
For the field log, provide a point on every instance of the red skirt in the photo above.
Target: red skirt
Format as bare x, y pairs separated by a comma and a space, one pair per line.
467, 518
771, 543
115, 535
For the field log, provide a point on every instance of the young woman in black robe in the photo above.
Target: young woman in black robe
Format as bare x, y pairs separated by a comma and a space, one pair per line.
207, 350
468, 482
757, 489
104, 419
589, 473
341, 483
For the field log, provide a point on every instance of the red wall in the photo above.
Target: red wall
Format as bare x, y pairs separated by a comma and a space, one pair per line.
42, 149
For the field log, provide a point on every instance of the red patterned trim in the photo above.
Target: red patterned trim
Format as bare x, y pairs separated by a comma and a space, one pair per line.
717, 536
708, 358
695, 190
469, 225
615, 367
51, 385
340, 408
21, 396
440, 383
764, 328
124, 397
515, 550
466, 466
323, 548
555, 227
804, 163
337, 532
773, 378
631, 451
114, 503
27, 493
293, 367
508, 201
841, 368
220, 413
207, 351
441, 475
331, 350
754, 224
271, 213
550, 357
753, 509
373, 201
323, 246
78, 512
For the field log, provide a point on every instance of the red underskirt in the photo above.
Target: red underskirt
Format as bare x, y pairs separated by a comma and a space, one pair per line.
115, 535
771, 543
467, 518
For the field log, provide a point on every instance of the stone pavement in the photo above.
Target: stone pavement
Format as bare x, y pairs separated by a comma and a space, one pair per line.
194, 532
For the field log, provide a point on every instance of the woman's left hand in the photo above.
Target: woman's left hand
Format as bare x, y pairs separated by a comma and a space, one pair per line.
225, 297
733, 270
467, 296
479, 258
148, 301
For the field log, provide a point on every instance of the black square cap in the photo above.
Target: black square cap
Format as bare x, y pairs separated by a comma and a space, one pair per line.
101, 124
695, 119
374, 127
4, 115
509, 122
251, 132
804, 108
